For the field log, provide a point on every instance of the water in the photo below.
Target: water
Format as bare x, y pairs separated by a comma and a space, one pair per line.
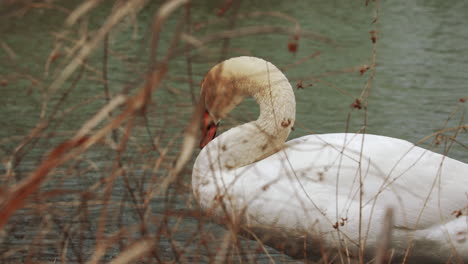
421, 75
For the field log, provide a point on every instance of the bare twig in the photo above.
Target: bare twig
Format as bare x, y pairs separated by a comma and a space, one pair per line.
383, 253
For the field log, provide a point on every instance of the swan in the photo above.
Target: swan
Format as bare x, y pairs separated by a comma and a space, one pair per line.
307, 193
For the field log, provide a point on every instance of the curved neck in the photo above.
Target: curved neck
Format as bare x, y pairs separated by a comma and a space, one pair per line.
277, 106
253, 141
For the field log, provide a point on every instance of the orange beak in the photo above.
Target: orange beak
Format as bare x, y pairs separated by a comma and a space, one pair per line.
209, 128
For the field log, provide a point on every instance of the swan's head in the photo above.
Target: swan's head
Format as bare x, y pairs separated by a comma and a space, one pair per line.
228, 82
222, 90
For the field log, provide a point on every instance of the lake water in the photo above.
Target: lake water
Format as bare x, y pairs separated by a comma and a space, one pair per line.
420, 82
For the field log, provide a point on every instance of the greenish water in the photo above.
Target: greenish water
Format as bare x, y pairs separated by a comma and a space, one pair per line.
422, 62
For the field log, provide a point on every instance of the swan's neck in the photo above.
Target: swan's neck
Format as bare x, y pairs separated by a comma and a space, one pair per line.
253, 141
277, 107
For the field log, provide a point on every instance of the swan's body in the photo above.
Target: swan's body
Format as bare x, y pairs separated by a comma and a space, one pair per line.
309, 187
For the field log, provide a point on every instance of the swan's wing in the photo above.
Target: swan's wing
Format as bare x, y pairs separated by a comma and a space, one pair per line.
425, 186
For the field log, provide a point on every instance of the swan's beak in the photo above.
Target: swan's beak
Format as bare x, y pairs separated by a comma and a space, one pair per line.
209, 127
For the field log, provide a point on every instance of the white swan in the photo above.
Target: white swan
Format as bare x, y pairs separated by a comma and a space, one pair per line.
308, 188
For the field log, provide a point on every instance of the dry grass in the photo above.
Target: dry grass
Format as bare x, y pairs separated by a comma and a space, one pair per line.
115, 185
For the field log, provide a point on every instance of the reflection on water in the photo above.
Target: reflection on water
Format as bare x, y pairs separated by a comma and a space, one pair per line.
421, 75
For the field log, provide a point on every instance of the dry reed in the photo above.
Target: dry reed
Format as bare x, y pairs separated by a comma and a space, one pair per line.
100, 193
